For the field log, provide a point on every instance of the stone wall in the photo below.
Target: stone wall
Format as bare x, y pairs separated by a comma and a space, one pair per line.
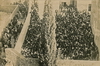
95, 22
18, 60
22, 35
77, 63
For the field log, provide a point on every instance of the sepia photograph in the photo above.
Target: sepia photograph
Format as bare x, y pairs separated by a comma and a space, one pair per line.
49, 32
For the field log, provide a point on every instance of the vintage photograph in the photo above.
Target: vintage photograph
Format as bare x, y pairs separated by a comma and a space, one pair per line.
49, 32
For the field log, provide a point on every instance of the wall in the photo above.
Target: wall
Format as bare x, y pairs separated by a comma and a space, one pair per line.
95, 22
19, 60
77, 63
22, 35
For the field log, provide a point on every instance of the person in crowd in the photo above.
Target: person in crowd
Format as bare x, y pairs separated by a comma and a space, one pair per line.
74, 35
13, 28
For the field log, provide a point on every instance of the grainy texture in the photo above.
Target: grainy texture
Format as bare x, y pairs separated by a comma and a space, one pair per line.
18, 60
77, 42
49, 31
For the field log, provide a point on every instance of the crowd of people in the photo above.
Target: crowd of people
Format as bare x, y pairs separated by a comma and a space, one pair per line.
32, 41
74, 35
11, 33
34, 45
13, 29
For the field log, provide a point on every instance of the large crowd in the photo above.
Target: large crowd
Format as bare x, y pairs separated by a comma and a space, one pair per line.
32, 40
11, 32
13, 29
34, 45
74, 35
